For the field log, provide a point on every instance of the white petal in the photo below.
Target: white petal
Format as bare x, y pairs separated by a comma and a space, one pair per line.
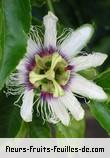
60, 111
21, 65
50, 30
32, 48
91, 60
72, 104
27, 106
76, 40
87, 88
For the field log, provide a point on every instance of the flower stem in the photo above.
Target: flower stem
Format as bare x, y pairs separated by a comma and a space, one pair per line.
50, 6
22, 133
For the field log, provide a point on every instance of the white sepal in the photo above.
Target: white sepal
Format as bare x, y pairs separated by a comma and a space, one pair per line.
32, 48
73, 105
76, 40
60, 111
27, 106
87, 88
50, 21
91, 60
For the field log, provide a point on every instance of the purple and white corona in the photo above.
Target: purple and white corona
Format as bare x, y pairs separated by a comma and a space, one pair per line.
48, 74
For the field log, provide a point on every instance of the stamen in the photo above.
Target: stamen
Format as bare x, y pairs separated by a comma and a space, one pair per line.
58, 90
55, 59
39, 62
50, 74
35, 77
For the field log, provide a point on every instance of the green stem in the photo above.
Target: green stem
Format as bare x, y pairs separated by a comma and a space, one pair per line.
50, 6
22, 133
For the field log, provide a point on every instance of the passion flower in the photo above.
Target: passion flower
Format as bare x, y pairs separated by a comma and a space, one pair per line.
48, 74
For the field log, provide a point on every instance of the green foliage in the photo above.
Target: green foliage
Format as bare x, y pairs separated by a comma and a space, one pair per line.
10, 120
90, 74
23, 131
74, 130
101, 112
104, 45
38, 3
0, 31
34, 129
103, 80
15, 27
38, 128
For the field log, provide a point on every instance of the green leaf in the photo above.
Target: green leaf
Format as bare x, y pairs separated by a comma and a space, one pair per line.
104, 45
102, 114
38, 129
16, 18
38, 3
10, 119
90, 74
103, 80
75, 129
23, 131
0, 31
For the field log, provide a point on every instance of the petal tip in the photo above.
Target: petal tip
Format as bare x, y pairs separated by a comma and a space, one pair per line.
27, 106
50, 15
26, 118
103, 96
101, 57
81, 115
66, 122
104, 57
87, 29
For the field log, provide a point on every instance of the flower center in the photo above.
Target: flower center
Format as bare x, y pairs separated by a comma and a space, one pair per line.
50, 74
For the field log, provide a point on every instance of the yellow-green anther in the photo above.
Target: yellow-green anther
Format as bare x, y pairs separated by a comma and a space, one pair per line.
50, 74
55, 59
35, 77
58, 90
39, 62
